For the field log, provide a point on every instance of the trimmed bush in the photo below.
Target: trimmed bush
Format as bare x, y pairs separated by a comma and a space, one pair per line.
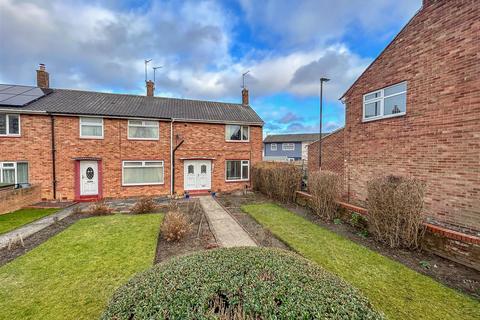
325, 187
175, 226
277, 180
238, 283
144, 205
395, 206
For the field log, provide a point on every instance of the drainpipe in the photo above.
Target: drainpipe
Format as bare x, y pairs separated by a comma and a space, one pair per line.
172, 164
54, 182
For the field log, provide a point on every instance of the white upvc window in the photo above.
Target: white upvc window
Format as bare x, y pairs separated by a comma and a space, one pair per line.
385, 103
91, 128
141, 173
13, 173
143, 130
273, 147
235, 132
237, 170
9, 124
288, 146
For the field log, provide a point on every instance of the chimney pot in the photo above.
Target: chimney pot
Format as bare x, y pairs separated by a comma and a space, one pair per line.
150, 88
43, 78
245, 99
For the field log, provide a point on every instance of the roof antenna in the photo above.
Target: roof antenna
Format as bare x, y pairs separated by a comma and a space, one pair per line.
243, 78
146, 62
155, 69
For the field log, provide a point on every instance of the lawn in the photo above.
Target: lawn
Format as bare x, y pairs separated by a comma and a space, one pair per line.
398, 291
73, 274
16, 219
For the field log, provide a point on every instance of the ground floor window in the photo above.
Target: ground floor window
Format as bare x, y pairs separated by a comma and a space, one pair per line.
237, 170
13, 172
137, 173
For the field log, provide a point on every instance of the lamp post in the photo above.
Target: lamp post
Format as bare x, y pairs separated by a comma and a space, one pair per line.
322, 80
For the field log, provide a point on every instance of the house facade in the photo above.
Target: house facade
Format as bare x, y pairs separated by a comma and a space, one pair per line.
81, 145
288, 147
415, 111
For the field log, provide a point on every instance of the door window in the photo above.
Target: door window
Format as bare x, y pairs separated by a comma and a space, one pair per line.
203, 169
191, 169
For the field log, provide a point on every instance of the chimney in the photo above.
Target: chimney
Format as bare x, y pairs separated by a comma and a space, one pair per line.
43, 79
245, 101
150, 88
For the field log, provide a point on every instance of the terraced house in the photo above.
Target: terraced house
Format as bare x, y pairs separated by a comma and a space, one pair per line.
82, 145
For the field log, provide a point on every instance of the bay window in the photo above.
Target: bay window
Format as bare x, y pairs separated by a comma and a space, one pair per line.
142, 130
9, 124
91, 128
237, 132
137, 173
237, 170
385, 103
13, 172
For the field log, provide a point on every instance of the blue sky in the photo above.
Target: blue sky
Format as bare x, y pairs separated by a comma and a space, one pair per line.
204, 47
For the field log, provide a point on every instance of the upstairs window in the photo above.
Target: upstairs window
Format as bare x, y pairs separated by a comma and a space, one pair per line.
288, 146
142, 130
273, 147
9, 124
91, 128
13, 173
385, 103
237, 133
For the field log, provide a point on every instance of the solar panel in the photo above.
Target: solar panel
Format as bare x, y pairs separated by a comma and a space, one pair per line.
18, 96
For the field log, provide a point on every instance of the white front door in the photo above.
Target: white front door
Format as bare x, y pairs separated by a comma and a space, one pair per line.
197, 174
88, 178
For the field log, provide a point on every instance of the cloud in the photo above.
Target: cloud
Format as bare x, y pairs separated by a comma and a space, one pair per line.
290, 117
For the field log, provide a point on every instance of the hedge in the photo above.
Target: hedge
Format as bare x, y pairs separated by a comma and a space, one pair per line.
238, 283
278, 181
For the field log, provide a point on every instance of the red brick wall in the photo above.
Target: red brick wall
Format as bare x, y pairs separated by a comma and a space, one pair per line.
438, 140
33, 146
14, 199
333, 154
200, 140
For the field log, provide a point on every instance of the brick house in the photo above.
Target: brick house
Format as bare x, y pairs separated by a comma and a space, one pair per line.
82, 145
416, 111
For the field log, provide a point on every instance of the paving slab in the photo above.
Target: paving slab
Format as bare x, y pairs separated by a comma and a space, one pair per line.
21, 233
226, 229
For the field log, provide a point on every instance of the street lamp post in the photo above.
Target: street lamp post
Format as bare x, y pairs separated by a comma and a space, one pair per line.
322, 80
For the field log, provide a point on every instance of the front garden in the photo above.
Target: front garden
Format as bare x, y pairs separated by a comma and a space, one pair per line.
18, 218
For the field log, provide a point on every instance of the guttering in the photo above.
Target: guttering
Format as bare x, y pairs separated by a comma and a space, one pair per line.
54, 174
23, 111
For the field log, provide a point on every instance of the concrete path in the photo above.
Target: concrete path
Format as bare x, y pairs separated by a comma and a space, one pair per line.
226, 229
35, 226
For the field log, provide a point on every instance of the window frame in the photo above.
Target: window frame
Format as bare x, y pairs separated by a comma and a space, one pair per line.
143, 126
381, 99
7, 125
288, 143
241, 170
143, 166
241, 132
91, 137
15, 163
271, 147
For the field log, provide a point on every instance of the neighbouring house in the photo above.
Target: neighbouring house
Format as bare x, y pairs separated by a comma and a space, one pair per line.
416, 111
288, 147
82, 145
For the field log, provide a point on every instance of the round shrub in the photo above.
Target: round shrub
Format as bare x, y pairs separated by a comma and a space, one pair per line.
238, 283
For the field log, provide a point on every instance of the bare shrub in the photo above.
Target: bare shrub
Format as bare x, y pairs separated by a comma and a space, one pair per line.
279, 181
99, 208
395, 206
144, 205
324, 186
175, 226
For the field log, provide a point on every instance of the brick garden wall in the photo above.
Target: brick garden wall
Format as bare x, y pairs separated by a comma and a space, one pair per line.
14, 199
438, 140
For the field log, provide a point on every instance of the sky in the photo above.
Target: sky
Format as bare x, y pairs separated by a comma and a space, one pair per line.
203, 48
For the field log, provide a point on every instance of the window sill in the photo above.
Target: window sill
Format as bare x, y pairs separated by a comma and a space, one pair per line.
91, 138
241, 180
142, 184
144, 139
10, 135
238, 141
384, 117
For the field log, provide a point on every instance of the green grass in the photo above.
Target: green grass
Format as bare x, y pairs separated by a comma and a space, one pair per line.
13, 220
398, 291
74, 274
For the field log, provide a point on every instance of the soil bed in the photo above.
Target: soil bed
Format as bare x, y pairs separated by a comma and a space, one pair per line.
449, 273
199, 238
